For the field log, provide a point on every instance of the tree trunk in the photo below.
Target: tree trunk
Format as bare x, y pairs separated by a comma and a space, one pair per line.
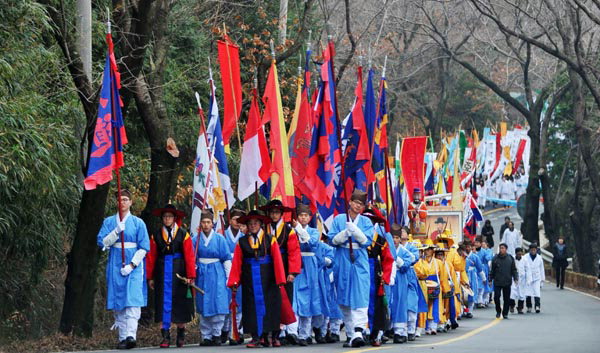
529, 227
80, 284
581, 218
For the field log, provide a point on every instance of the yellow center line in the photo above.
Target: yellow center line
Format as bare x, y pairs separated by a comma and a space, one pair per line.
441, 343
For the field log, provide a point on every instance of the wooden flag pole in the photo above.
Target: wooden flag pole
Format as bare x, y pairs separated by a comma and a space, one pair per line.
116, 134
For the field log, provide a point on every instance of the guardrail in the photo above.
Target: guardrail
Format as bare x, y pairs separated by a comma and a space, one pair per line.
547, 256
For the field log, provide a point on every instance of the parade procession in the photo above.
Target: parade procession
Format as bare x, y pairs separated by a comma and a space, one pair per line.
356, 243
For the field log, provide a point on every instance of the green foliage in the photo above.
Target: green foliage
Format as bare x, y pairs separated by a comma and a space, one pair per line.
37, 165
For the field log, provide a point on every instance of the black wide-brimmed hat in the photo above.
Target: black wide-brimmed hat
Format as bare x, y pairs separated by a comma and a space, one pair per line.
275, 204
158, 212
440, 220
254, 214
374, 216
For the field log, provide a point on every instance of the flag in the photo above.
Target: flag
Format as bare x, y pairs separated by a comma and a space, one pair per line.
106, 153
300, 134
471, 211
222, 193
370, 113
412, 161
519, 157
255, 164
324, 167
282, 183
202, 170
229, 61
457, 203
356, 150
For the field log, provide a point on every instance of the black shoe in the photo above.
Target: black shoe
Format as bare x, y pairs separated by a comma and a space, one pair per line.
224, 336
233, 342
309, 340
497, 315
180, 337
130, 342
332, 338
537, 309
505, 317
358, 342
469, 316
319, 338
397, 339
385, 338
166, 338
347, 343
520, 312
206, 343
216, 340
454, 326
292, 339
122, 345
302, 342
411, 337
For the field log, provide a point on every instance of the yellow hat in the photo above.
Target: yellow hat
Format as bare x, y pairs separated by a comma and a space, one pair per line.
416, 243
446, 238
441, 247
428, 244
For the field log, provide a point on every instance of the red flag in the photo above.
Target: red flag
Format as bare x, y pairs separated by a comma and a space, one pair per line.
413, 163
519, 156
229, 61
300, 136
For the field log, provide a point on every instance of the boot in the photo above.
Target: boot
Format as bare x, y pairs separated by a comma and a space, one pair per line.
166, 338
224, 336
318, 336
180, 337
130, 342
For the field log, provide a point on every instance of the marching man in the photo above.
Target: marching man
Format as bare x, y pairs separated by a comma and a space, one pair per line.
351, 236
538, 276
125, 280
214, 265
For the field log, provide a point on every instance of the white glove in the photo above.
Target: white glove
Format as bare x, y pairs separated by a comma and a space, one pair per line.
125, 271
392, 281
351, 227
303, 235
138, 257
360, 237
331, 277
227, 267
327, 261
399, 262
120, 227
340, 237
482, 276
110, 239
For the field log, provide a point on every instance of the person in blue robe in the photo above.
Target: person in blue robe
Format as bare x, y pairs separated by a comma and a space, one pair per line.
213, 267
477, 277
404, 259
351, 234
126, 284
416, 302
306, 300
327, 325
485, 255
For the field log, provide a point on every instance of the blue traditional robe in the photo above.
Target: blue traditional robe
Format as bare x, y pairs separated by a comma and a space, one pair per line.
416, 301
329, 307
131, 290
473, 269
399, 302
351, 278
211, 277
307, 299
486, 255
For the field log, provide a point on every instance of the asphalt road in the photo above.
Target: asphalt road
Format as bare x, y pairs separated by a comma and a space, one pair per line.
568, 323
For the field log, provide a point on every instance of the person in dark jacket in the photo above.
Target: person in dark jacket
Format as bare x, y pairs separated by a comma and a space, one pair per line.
503, 272
504, 227
559, 261
487, 233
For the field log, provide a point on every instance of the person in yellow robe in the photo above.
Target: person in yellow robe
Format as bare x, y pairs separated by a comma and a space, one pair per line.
446, 286
456, 257
431, 271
